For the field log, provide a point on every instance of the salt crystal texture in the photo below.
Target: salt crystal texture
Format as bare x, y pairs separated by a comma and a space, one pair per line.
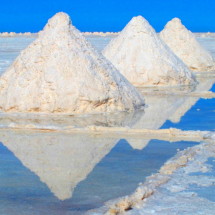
186, 47
144, 59
60, 72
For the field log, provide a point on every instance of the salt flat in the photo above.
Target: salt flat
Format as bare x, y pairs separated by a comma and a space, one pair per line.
42, 158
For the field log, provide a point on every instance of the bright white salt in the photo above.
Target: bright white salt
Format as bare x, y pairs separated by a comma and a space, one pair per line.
186, 47
144, 59
60, 72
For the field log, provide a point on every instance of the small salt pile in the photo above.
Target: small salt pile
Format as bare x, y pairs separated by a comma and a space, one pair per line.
60, 72
186, 47
144, 59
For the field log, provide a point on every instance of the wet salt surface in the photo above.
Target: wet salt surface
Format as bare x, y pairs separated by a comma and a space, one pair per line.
189, 189
29, 170
205, 192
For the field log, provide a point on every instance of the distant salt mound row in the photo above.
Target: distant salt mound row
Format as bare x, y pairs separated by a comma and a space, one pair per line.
204, 35
60, 72
14, 34
186, 47
102, 34
144, 59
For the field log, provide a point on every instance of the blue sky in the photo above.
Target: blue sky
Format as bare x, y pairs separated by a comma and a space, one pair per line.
111, 15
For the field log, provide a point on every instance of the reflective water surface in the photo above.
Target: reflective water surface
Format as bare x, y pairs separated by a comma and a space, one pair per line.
71, 173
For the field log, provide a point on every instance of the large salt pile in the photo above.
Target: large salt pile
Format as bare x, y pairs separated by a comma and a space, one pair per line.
144, 59
60, 72
186, 47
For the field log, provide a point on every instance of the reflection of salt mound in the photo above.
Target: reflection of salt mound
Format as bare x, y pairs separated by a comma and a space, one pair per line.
138, 144
153, 117
185, 46
61, 72
61, 161
188, 102
143, 58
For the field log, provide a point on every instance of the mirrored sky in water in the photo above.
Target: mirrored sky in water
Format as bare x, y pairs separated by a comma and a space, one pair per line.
68, 173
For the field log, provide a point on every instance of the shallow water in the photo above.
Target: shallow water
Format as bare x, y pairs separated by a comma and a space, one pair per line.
190, 189
200, 116
38, 171
206, 192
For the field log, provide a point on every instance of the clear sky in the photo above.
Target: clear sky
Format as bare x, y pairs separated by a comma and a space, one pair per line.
102, 15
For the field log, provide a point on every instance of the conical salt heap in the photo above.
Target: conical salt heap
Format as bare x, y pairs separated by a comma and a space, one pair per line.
186, 47
60, 72
144, 59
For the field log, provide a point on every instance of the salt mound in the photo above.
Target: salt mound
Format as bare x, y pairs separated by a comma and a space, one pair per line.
186, 47
144, 59
60, 72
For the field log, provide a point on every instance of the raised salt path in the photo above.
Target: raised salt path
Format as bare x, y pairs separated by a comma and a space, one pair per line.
60, 72
184, 44
144, 59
